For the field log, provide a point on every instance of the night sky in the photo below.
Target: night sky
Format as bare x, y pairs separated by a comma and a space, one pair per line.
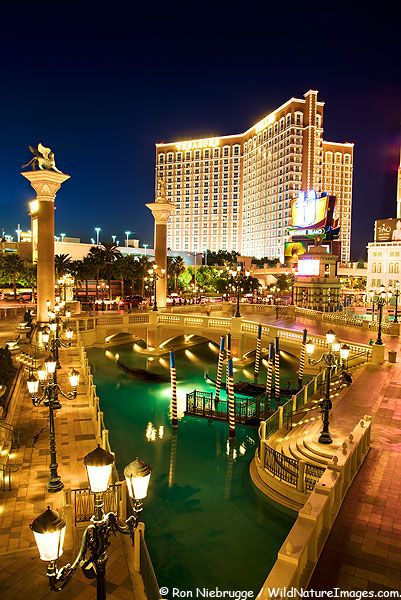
101, 89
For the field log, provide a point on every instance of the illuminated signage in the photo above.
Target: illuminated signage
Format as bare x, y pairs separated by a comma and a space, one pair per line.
309, 266
307, 232
388, 230
265, 122
309, 209
294, 249
197, 144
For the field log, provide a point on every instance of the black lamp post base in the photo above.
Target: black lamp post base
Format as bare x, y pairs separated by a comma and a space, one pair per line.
325, 438
379, 343
54, 485
237, 315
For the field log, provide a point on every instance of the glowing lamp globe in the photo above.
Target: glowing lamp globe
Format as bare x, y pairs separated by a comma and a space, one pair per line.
51, 314
50, 365
42, 374
336, 346
99, 464
45, 337
344, 352
49, 531
68, 314
73, 376
33, 385
330, 337
53, 326
137, 475
310, 347
382, 292
69, 334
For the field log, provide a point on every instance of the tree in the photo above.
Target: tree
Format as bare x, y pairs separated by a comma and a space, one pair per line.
179, 268
109, 254
95, 258
62, 264
12, 266
83, 271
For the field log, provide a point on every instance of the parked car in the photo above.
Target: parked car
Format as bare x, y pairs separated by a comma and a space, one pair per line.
135, 300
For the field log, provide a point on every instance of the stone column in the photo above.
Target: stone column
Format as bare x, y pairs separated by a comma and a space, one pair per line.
46, 184
161, 211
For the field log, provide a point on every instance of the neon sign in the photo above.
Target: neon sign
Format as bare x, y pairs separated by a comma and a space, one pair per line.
197, 144
309, 210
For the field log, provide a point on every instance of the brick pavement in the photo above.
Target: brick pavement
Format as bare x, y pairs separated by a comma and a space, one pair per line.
363, 549
21, 570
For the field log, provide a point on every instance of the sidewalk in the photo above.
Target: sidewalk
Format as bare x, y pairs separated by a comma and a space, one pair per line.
363, 549
22, 572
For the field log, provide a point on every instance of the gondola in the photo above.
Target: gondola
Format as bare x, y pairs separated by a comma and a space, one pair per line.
141, 373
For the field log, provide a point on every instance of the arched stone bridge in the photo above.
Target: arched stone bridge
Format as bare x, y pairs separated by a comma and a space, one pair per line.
158, 330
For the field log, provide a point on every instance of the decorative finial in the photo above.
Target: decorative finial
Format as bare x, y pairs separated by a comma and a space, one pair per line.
43, 159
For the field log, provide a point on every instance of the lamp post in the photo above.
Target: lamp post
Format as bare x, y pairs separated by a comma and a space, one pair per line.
50, 391
49, 528
97, 229
381, 298
372, 297
51, 336
154, 275
238, 276
146, 248
396, 294
336, 356
127, 233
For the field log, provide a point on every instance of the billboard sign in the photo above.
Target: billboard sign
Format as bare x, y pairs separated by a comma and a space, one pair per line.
388, 230
309, 267
312, 211
294, 249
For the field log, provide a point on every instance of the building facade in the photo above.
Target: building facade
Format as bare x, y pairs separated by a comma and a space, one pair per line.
234, 192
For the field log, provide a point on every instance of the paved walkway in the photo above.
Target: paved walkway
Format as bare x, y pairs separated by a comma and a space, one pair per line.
22, 573
363, 548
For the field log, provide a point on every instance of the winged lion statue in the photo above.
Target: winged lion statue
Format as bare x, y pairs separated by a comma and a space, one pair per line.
43, 158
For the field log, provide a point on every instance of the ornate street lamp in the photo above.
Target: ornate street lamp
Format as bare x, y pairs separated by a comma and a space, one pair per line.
239, 276
154, 275
381, 298
49, 529
334, 357
396, 294
50, 390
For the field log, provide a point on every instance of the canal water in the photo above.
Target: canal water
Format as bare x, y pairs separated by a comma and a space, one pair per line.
206, 524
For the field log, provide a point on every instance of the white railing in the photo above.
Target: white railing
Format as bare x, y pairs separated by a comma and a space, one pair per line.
301, 549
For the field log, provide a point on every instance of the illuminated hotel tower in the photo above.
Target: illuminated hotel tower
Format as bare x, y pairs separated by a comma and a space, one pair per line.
234, 192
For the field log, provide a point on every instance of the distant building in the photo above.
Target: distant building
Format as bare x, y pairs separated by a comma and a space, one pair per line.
234, 192
384, 254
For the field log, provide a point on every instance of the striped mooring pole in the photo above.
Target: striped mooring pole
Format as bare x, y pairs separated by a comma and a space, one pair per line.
173, 457
302, 359
257, 356
230, 397
269, 379
219, 369
173, 379
228, 345
277, 370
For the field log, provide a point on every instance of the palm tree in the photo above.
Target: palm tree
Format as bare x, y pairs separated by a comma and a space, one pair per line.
179, 268
62, 264
83, 271
143, 266
12, 266
95, 259
110, 254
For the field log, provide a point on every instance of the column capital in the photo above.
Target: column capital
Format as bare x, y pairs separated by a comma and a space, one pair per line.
45, 183
161, 211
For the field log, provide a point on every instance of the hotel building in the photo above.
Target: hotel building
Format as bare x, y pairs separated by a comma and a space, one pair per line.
234, 192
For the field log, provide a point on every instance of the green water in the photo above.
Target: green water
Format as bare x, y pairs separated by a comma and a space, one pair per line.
206, 524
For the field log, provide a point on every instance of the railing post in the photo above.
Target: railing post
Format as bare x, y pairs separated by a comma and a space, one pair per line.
99, 423
122, 509
305, 400
280, 417
262, 452
294, 403
301, 476
105, 439
139, 531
